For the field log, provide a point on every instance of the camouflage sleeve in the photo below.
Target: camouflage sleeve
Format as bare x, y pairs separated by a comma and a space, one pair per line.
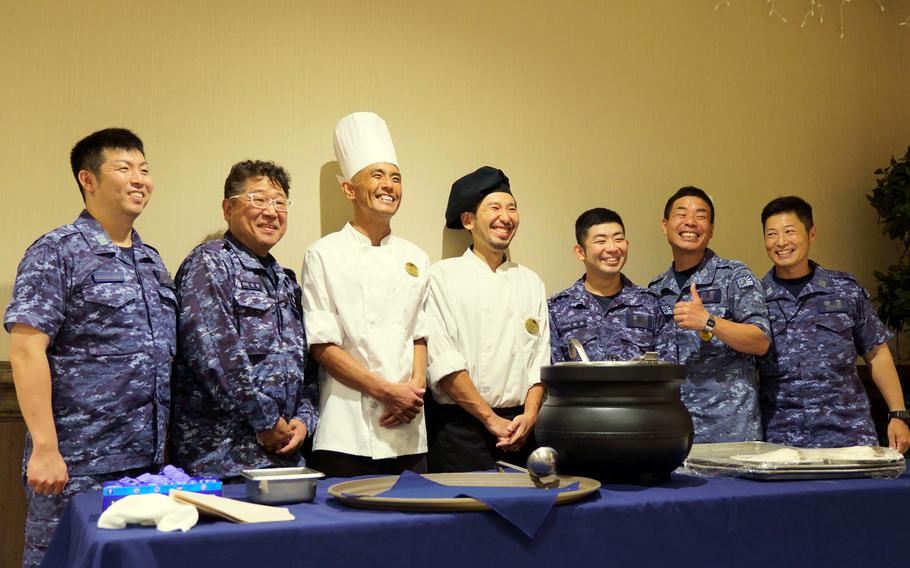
210, 342
749, 300
39, 293
556, 355
308, 405
869, 332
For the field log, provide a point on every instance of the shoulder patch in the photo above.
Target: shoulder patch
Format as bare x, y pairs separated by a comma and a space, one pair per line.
745, 281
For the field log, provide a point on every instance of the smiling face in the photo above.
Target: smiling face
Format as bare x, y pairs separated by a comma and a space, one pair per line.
787, 242
257, 229
605, 250
494, 225
375, 191
688, 227
122, 187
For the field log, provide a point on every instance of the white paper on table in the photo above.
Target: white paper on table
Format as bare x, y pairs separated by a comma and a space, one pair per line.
233, 510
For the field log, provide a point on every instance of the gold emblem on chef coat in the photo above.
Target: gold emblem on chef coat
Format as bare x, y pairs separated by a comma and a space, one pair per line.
412, 269
531, 326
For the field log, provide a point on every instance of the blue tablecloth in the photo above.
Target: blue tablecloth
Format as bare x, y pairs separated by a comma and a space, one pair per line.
690, 521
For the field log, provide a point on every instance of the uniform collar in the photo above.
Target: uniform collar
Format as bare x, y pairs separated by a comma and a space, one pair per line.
820, 283
481, 263
704, 274
248, 259
94, 234
362, 240
581, 297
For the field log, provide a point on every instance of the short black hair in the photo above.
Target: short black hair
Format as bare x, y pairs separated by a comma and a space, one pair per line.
689, 190
88, 153
789, 204
592, 217
242, 171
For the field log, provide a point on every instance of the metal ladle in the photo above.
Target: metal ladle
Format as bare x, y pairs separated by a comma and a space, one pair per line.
541, 467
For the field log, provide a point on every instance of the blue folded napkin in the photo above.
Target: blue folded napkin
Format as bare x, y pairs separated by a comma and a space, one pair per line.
524, 507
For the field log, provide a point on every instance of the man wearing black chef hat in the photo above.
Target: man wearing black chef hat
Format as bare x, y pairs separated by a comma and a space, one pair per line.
489, 335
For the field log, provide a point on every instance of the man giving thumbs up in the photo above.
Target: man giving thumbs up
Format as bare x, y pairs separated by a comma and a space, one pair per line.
721, 323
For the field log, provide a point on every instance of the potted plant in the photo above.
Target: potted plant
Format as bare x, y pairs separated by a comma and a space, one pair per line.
891, 199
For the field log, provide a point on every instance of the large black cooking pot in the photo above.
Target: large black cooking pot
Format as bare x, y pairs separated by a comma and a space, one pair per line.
616, 420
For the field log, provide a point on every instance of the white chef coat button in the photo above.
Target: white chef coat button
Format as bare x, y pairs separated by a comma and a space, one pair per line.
374, 405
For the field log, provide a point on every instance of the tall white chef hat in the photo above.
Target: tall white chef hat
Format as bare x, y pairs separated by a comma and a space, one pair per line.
361, 139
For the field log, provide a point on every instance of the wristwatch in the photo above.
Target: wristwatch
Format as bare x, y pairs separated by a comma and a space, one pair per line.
708, 332
900, 414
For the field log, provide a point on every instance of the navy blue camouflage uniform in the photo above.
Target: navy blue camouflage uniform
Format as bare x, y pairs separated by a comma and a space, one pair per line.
110, 316
240, 363
720, 389
811, 394
628, 329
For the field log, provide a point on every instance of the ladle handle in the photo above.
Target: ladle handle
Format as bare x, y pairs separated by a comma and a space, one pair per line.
576, 350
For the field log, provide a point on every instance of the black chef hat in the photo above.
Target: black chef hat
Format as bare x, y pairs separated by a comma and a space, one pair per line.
469, 190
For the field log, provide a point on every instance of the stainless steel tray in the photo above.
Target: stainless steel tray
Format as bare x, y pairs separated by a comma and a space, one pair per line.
282, 485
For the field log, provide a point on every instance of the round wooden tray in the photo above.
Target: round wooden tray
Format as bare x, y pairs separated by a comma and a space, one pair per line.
362, 492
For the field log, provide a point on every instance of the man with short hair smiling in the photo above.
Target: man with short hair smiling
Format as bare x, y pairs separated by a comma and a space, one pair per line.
364, 289
612, 318
720, 323
92, 326
811, 395
240, 401
490, 335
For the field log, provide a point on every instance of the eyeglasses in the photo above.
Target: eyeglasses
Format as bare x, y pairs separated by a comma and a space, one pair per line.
260, 201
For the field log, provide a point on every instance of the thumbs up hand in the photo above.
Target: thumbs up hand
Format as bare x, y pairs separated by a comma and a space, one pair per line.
691, 314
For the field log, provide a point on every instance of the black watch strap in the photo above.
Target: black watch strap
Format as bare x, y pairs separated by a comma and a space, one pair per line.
900, 414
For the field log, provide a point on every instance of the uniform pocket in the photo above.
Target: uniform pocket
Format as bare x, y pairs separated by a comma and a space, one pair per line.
112, 295
256, 321
835, 339
113, 318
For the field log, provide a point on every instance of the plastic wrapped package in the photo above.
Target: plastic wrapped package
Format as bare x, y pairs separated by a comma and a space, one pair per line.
763, 460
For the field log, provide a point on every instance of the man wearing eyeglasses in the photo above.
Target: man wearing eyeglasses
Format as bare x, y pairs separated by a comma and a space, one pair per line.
240, 401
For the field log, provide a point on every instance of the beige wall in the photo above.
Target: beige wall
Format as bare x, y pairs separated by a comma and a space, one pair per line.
582, 103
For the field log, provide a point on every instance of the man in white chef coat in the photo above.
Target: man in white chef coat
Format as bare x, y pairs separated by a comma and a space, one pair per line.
363, 294
490, 335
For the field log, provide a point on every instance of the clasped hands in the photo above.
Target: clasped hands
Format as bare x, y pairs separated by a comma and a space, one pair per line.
284, 437
402, 403
511, 434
